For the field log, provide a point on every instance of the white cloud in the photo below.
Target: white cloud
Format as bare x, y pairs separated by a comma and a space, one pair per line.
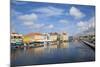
41, 26
82, 26
28, 17
32, 25
63, 21
76, 13
92, 22
35, 26
50, 26
38, 26
86, 25
30, 21
49, 11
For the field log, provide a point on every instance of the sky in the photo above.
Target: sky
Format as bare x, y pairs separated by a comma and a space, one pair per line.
27, 17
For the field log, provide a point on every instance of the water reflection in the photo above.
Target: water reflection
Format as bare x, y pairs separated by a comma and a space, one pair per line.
54, 52
38, 50
56, 45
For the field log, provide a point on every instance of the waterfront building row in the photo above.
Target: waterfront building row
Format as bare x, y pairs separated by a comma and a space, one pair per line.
38, 37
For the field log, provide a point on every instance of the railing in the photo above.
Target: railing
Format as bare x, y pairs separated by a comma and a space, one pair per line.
89, 44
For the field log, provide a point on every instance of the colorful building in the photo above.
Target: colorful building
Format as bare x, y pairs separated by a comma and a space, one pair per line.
16, 39
64, 36
33, 37
53, 36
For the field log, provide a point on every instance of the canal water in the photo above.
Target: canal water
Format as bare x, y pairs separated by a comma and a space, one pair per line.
67, 52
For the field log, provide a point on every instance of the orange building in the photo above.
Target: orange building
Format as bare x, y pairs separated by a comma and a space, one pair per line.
33, 37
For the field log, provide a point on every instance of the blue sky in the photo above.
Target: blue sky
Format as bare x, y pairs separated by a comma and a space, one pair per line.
27, 17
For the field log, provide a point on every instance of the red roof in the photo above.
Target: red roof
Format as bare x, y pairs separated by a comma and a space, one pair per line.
32, 34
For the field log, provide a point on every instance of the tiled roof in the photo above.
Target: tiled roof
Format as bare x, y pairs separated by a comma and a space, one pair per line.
32, 34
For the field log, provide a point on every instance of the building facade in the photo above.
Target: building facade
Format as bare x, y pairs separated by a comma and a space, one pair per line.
53, 36
16, 39
33, 37
64, 37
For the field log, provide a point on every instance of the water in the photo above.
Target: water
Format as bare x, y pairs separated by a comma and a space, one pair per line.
65, 53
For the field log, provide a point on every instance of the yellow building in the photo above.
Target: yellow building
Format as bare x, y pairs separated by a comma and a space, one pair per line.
32, 37
64, 36
53, 36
